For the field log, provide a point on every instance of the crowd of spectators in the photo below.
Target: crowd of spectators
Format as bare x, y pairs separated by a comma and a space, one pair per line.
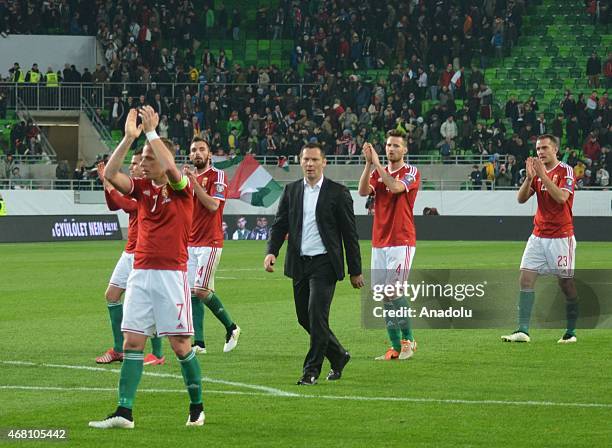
433, 51
584, 126
429, 43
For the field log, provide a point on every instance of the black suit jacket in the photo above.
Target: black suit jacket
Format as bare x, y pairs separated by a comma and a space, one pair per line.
335, 220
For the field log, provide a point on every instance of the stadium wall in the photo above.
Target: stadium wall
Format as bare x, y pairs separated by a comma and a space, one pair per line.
48, 51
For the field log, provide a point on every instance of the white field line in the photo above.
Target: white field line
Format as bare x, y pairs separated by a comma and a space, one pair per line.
205, 379
322, 397
283, 394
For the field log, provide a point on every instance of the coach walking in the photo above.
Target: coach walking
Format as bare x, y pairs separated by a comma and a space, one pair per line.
317, 213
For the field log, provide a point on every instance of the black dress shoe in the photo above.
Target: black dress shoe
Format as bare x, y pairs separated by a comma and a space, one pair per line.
307, 380
336, 374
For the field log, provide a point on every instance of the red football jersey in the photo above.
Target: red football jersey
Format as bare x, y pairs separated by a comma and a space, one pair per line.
554, 220
207, 229
393, 216
164, 223
116, 201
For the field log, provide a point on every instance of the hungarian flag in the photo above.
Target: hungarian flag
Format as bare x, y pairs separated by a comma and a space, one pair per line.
283, 162
253, 184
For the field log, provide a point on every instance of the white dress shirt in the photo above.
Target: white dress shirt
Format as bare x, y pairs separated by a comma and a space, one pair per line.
311, 239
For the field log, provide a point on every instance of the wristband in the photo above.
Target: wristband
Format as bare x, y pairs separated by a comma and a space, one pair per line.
152, 135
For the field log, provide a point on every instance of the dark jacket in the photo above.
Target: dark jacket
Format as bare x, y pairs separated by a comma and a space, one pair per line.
335, 220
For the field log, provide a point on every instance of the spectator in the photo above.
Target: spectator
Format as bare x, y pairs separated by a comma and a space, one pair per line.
476, 178
118, 114
62, 171
485, 95
503, 178
512, 110
176, 130
447, 147
592, 148
568, 104
572, 132
603, 177
608, 71
557, 126
236, 19
163, 126
467, 129
235, 123
261, 230
570, 157
497, 41
593, 70
241, 233
489, 172
591, 104
16, 177
449, 128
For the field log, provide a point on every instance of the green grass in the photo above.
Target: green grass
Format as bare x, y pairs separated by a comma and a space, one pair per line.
52, 311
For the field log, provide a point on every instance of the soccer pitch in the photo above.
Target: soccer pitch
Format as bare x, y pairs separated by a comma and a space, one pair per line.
462, 388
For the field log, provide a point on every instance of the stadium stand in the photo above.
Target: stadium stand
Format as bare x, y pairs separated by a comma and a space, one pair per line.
293, 71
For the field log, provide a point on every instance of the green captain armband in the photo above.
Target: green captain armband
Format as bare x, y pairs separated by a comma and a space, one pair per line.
180, 185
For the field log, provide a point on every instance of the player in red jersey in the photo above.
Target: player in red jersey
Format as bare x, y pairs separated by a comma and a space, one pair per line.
394, 188
118, 282
552, 246
206, 244
157, 298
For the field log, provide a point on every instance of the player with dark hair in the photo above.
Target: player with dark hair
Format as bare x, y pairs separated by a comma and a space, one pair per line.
206, 244
552, 246
394, 189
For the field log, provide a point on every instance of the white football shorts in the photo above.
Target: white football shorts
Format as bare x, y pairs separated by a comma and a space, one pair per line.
550, 256
391, 265
157, 302
202, 265
122, 271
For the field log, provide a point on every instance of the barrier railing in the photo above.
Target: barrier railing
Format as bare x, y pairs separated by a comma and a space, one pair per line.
67, 96
41, 97
418, 159
94, 184
28, 159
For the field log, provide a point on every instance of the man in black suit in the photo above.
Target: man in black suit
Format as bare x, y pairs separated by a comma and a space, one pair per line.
317, 213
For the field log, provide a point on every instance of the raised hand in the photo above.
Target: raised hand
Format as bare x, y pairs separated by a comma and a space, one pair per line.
190, 174
132, 130
375, 159
367, 152
539, 168
149, 117
100, 169
529, 168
